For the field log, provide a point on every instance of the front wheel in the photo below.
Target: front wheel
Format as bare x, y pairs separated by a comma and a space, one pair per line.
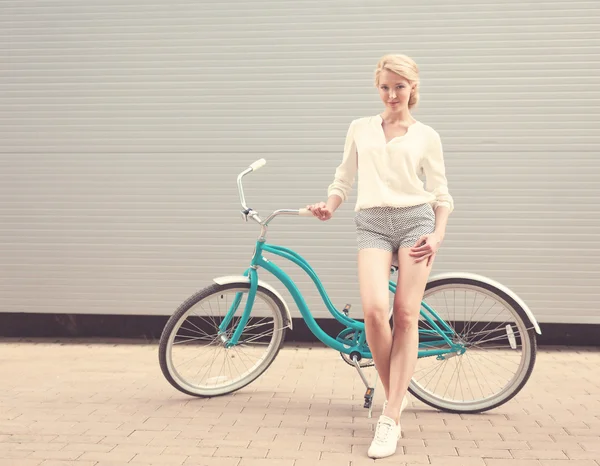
499, 342
193, 354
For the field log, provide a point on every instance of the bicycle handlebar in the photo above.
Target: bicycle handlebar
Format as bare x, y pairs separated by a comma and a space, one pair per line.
258, 164
248, 212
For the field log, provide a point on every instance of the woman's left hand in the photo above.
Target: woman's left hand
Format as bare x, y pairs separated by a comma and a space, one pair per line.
426, 248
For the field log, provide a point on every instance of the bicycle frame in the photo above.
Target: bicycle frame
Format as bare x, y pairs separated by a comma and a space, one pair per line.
358, 344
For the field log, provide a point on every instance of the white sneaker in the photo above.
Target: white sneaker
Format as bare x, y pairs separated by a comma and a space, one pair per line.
402, 408
386, 437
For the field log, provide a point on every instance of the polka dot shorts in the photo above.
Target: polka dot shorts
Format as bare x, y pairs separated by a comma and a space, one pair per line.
391, 228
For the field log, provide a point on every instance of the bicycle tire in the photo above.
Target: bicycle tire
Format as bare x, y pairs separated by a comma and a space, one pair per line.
529, 344
178, 316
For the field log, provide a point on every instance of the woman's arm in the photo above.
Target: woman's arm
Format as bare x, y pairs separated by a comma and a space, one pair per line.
437, 184
442, 213
435, 178
340, 188
345, 174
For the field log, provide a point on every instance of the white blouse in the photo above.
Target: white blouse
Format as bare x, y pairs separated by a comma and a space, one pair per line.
388, 173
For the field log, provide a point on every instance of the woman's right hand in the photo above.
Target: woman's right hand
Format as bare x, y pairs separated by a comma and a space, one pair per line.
320, 210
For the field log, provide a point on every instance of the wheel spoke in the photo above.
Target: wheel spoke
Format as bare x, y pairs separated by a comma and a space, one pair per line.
478, 307
500, 337
436, 368
196, 327
179, 342
485, 379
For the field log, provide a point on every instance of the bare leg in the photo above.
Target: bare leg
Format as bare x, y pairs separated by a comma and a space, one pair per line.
373, 276
412, 279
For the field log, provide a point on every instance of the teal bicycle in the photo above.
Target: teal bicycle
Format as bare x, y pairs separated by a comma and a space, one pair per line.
477, 338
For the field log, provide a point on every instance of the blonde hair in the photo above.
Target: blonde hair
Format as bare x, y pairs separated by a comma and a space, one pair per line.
404, 66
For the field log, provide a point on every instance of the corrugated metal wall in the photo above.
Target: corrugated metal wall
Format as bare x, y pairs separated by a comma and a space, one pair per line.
123, 127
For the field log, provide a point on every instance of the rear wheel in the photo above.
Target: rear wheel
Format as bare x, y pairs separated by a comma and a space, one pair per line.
500, 347
192, 352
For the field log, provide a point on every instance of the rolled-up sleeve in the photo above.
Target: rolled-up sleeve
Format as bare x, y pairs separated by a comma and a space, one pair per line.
435, 173
345, 174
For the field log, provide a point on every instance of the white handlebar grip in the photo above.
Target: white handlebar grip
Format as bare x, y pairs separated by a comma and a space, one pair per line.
305, 213
258, 164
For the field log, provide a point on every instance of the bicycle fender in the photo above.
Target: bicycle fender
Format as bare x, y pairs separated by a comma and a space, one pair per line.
228, 279
494, 283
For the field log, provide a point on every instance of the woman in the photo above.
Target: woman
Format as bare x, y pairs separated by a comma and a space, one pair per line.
398, 220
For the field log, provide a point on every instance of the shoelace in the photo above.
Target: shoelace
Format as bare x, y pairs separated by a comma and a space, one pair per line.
382, 432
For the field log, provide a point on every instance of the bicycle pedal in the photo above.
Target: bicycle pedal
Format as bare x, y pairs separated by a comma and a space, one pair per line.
369, 397
346, 309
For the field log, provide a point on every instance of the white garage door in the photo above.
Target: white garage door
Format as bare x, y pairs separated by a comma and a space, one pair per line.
123, 127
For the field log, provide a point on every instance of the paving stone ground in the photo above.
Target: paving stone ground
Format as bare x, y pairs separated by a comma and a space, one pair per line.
82, 403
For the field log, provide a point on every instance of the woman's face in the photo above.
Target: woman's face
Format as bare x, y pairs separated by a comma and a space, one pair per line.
394, 91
